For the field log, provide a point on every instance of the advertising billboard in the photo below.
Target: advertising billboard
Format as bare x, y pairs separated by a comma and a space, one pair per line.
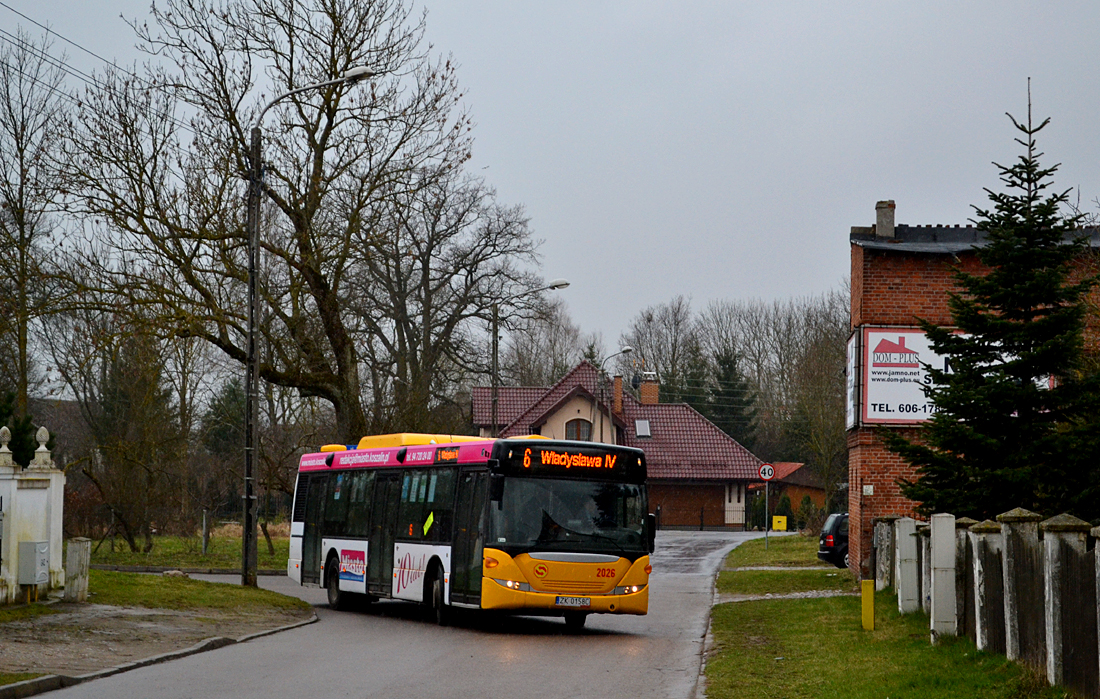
892, 375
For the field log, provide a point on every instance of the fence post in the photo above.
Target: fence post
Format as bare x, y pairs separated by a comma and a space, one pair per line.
924, 555
884, 551
943, 601
1069, 589
1096, 589
78, 559
1025, 630
964, 579
989, 617
908, 574
701, 519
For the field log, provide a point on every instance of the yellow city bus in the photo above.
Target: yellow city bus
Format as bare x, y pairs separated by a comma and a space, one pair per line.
525, 525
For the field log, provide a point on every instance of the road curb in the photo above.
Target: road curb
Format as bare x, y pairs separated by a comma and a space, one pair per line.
708, 637
48, 683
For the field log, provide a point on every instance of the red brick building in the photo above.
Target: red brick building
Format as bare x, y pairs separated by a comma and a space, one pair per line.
899, 273
698, 475
795, 481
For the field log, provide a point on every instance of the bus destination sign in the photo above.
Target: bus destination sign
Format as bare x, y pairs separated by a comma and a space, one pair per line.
536, 459
567, 459
446, 455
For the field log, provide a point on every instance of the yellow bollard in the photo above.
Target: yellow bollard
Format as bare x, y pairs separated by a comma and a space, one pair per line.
868, 587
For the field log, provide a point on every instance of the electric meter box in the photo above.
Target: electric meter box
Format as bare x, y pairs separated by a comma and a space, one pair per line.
34, 562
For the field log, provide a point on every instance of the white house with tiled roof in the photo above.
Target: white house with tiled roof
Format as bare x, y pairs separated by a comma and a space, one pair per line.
698, 475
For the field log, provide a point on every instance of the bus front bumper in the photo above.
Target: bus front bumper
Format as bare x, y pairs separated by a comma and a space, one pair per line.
496, 596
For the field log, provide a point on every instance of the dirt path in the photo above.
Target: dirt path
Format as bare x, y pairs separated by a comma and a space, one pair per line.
83, 638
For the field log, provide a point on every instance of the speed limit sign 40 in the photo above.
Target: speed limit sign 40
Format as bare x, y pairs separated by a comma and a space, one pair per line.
766, 472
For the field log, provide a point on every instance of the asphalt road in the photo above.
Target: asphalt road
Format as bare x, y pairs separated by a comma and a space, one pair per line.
387, 650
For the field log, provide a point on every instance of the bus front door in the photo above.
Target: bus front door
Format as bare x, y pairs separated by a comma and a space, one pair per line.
383, 519
470, 528
311, 537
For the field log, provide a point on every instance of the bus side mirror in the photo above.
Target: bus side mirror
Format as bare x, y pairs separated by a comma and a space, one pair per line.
651, 530
496, 487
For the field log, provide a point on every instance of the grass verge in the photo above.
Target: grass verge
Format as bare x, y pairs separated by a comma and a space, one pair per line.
186, 552
792, 550
21, 612
159, 592
780, 582
13, 677
816, 648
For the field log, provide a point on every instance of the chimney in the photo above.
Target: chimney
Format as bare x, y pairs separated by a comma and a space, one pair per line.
649, 391
884, 219
617, 394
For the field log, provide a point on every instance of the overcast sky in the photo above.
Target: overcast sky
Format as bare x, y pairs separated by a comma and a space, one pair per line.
724, 149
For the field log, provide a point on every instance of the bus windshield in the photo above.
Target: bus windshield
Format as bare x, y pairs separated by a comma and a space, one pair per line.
555, 514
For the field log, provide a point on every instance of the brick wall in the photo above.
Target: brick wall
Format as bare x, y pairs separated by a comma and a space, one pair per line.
895, 288
680, 503
871, 463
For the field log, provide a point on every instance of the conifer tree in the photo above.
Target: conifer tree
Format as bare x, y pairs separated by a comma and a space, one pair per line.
1017, 423
733, 401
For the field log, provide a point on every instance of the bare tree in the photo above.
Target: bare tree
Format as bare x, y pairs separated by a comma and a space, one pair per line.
793, 354
342, 164
542, 348
116, 372
32, 122
665, 341
425, 283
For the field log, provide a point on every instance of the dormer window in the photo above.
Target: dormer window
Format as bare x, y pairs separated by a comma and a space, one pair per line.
641, 428
579, 429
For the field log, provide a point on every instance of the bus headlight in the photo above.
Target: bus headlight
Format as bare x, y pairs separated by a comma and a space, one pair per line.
627, 589
513, 585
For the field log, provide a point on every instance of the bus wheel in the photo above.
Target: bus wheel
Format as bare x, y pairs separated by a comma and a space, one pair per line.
574, 621
336, 599
439, 609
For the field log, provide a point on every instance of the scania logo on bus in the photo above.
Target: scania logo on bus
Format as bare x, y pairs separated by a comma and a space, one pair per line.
541, 570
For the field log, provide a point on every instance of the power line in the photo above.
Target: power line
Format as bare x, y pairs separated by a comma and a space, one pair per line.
85, 78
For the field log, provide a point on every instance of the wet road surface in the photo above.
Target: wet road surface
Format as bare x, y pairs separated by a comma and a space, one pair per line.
388, 650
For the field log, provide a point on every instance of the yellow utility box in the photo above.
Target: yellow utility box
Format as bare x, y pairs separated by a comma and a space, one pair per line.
779, 523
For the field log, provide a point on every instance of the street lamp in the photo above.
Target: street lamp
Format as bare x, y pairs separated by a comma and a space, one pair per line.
603, 384
495, 378
252, 367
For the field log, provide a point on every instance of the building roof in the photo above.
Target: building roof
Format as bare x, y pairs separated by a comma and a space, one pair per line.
585, 375
686, 445
785, 468
511, 402
793, 473
939, 239
683, 444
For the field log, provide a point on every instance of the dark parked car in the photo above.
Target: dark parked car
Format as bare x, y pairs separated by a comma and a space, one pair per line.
833, 545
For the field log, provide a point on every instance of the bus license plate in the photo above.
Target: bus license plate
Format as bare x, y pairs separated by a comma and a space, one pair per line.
573, 601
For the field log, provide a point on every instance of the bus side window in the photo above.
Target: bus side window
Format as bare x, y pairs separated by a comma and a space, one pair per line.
410, 518
439, 504
362, 488
336, 505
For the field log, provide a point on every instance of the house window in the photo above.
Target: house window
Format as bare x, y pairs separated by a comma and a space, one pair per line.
578, 429
641, 428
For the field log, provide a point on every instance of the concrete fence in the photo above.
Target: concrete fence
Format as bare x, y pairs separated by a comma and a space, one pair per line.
1020, 586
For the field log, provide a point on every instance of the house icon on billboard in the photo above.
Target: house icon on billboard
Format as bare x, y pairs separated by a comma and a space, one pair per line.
894, 354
